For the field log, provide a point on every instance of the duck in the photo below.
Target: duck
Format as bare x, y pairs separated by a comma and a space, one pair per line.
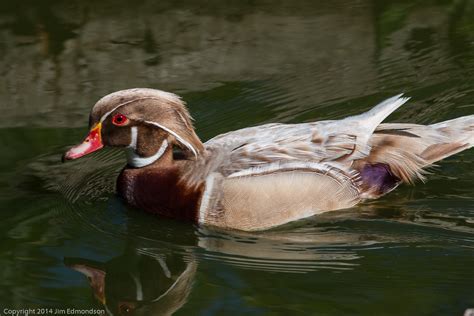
261, 177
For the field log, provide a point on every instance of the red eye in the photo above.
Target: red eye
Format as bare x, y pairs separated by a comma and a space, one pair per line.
119, 119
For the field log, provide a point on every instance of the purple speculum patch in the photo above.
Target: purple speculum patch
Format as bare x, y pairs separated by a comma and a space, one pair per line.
379, 177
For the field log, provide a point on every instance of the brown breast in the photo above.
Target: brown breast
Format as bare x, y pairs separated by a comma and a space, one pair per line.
159, 191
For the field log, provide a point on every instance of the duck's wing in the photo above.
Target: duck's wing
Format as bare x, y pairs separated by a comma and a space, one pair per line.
341, 141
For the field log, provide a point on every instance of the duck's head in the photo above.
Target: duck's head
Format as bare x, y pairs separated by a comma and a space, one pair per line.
134, 283
147, 122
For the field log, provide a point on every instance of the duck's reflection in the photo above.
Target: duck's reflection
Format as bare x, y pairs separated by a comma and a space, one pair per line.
156, 278
155, 273
139, 284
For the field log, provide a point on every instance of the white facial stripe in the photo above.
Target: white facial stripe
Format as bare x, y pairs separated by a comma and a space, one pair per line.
179, 138
138, 161
115, 108
122, 104
134, 136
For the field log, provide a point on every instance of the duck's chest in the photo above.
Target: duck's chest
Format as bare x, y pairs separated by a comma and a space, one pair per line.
159, 191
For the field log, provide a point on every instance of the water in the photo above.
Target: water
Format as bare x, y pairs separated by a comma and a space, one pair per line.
237, 64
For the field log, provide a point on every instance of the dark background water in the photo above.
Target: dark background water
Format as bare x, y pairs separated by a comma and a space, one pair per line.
237, 64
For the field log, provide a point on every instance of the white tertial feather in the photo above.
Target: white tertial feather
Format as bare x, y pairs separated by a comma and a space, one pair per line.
362, 126
278, 166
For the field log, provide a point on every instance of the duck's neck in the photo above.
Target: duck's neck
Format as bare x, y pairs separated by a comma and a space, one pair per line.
162, 155
156, 188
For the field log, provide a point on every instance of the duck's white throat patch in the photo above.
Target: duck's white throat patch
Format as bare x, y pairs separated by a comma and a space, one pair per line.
138, 161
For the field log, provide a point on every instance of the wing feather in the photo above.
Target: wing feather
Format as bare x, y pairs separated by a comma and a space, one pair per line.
341, 141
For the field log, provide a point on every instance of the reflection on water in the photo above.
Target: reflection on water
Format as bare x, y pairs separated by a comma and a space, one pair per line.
236, 64
139, 284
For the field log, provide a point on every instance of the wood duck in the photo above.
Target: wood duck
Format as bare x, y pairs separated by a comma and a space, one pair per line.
260, 177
